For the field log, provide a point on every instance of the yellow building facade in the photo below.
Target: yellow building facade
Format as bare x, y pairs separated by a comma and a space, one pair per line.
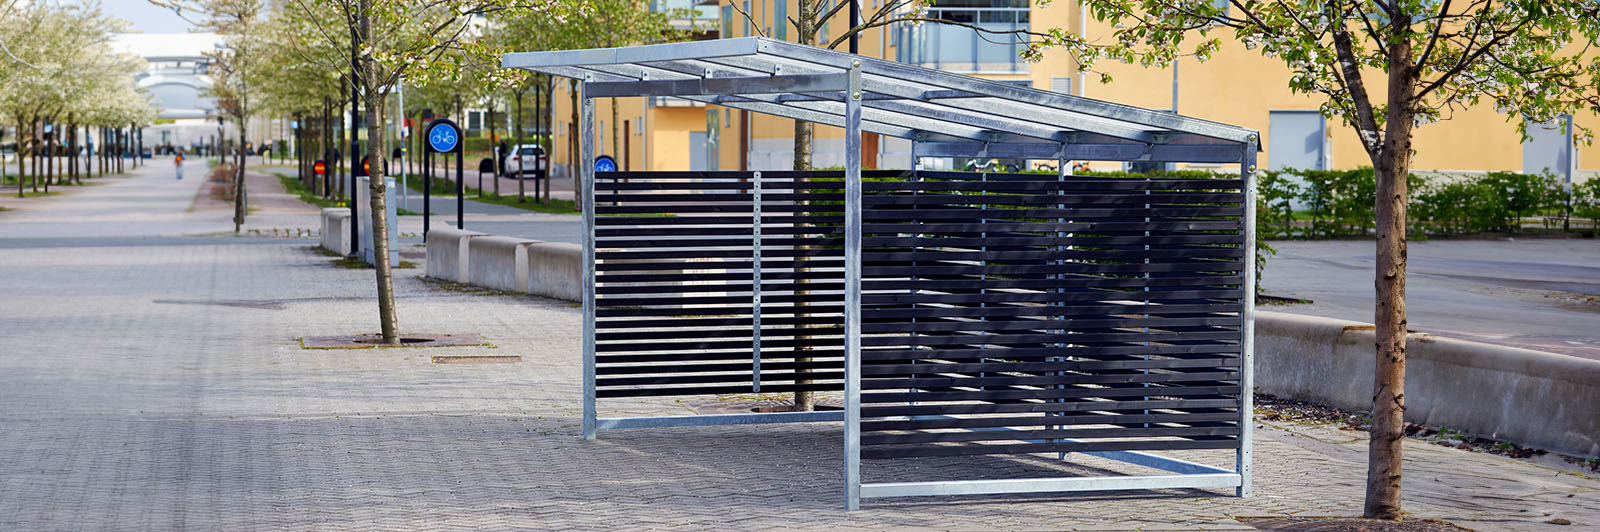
1236, 86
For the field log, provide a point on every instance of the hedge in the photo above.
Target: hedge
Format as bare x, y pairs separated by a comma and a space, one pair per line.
1339, 203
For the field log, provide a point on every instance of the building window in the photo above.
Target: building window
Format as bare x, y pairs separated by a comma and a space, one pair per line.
1061, 85
961, 49
781, 19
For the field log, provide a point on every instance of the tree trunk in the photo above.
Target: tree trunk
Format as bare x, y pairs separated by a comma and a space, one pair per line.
72, 152
239, 198
33, 149
22, 164
573, 151
494, 152
49, 154
323, 138
805, 30
1391, 168
616, 143
380, 224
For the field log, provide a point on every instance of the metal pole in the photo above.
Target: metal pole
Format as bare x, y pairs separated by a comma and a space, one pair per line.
427, 189
400, 126
1247, 352
355, 140
1175, 84
586, 188
855, 21
755, 278
461, 183
852, 290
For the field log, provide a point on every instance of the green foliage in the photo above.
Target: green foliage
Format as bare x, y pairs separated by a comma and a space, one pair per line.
1586, 203
1339, 203
446, 187
1512, 55
294, 186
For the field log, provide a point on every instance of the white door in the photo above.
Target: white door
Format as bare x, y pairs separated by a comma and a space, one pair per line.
697, 151
1549, 148
1296, 139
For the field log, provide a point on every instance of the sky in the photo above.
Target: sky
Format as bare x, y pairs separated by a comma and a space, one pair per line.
146, 17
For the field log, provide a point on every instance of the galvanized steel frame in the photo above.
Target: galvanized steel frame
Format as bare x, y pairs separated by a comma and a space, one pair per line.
945, 115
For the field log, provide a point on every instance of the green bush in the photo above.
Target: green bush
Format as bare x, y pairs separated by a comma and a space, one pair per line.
1586, 203
1275, 195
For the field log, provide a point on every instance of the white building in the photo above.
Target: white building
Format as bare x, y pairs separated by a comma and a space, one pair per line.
177, 76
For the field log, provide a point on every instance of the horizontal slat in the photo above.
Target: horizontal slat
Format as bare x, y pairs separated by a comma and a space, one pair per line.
950, 409
1043, 421
876, 452
1025, 435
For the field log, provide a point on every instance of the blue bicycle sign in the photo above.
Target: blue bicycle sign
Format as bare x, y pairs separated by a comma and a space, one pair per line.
605, 163
443, 137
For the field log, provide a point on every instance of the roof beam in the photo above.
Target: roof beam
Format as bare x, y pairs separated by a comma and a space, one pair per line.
802, 83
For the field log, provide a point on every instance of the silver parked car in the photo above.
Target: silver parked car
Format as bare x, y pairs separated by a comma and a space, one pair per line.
524, 161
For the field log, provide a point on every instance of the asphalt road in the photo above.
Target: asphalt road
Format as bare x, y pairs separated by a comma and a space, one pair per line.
1541, 294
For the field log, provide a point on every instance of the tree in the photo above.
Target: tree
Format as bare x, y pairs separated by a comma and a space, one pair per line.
58, 64
237, 21
1528, 58
422, 41
608, 24
297, 74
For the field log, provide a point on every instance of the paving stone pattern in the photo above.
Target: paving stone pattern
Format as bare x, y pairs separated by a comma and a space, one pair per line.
157, 384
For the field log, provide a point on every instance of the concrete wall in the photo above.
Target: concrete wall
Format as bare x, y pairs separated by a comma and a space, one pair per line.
555, 270
1529, 397
498, 262
546, 269
335, 230
448, 257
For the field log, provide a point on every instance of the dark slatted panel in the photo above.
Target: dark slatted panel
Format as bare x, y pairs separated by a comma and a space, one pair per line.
1030, 313
675, 278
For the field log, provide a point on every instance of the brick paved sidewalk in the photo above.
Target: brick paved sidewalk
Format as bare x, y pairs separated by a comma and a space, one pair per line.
155, 384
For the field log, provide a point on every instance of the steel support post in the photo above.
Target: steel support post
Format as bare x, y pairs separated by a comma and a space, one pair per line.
852, 290
755, 282
427, 190
586, 187
1247, 350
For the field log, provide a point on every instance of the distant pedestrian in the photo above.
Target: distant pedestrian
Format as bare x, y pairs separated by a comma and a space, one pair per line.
178, 162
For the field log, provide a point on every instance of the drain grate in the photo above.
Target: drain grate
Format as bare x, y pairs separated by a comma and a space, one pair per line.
477, 359
365, 341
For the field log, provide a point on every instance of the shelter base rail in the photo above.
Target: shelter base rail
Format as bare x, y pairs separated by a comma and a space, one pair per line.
720, 419
1037, 485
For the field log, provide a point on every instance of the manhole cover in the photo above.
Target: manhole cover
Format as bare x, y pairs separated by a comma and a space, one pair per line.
364, 341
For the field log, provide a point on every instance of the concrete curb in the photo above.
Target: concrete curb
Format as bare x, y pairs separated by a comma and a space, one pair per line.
448, 257
498, 262
555, 270
335, 230
1533, 398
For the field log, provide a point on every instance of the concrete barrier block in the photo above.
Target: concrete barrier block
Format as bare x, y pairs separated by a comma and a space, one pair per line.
448, 253
498, 262
1534, 398
335, 231
556, 270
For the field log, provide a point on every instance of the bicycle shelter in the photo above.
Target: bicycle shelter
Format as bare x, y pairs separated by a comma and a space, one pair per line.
962, 314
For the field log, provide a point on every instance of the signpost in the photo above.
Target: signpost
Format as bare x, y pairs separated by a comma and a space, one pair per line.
443, 136
605, 163
319, 167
